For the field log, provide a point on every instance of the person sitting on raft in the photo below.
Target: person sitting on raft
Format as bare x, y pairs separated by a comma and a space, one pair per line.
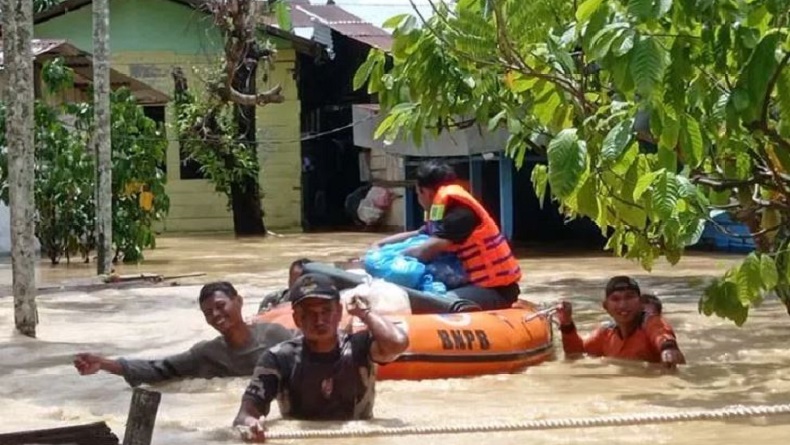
634, 335
277, 297
324, 374
457, 223
233, 354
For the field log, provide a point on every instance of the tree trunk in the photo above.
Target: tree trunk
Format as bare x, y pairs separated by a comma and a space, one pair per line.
246, 197
18, 55
101, 99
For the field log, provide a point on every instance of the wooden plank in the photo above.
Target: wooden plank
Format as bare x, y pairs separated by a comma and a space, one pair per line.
91, 434
142, 417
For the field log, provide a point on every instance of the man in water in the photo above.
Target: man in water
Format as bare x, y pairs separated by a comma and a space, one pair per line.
457, 223
277, 297
233, 354
652, 304
635, 334
324, 374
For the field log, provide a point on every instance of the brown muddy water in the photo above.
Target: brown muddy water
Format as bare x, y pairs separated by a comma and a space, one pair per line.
39, 388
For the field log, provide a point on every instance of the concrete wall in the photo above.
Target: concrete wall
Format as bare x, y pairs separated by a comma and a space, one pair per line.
148, 39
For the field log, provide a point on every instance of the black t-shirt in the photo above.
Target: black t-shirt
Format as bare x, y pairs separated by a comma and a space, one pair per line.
339, 385
457, 224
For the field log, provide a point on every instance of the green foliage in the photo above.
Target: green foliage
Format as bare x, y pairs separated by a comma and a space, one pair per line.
208, 133
65, 174
710, 78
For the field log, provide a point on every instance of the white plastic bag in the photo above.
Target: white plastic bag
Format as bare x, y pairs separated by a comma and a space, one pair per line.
385, 298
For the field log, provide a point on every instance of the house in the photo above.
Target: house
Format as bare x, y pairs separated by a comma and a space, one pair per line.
315, 65
148, 38
81, 63
335, 166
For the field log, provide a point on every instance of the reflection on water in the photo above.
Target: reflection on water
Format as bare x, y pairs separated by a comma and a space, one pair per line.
39, 388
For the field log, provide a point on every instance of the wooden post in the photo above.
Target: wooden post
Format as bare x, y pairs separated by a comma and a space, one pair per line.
506, 195
101, 101
476, 177
142, 416
17, 17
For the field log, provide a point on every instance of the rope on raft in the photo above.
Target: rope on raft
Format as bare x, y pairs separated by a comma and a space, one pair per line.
730, 412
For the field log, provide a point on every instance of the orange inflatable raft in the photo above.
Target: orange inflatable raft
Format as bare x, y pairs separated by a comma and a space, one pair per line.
458, 344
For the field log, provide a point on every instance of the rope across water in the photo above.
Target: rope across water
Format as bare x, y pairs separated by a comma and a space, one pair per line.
548, 424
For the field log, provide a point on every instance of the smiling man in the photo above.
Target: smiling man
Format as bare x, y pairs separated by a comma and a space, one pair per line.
233, 354
634, 335
324, 374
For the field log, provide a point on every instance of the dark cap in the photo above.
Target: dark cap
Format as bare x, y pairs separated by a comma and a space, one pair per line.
620, 283
313, 285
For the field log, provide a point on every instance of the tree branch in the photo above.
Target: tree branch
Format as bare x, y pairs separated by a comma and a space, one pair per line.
272, 96
723, 183
770, 89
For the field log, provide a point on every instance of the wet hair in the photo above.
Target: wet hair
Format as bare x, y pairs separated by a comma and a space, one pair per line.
434, 174
653, 299
217, 286
300, 263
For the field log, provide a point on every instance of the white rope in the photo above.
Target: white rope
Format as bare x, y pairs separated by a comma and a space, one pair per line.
731, 412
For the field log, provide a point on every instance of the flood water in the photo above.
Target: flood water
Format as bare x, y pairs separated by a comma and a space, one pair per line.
39, 388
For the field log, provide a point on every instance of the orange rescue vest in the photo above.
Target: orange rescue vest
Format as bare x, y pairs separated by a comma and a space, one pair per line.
486, 254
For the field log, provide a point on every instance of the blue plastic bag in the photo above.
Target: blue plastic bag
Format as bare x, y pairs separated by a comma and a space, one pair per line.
447, 269
388, 263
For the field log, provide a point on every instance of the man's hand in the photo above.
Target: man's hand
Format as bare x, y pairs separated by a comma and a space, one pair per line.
250, 428
672, 357
87, 364
565, 313
358, 306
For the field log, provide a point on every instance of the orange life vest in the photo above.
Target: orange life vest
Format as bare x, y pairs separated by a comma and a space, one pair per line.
486, 254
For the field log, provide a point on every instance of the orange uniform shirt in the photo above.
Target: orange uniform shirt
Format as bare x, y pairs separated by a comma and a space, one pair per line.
646, 343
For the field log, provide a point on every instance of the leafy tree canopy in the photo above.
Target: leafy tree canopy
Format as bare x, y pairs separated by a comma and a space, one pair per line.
651, 114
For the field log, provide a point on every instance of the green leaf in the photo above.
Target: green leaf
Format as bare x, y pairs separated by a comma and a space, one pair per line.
663, 7
642, 9
567, 157
691, 141
494, 121
768, 272
540, 178
283, 13
749, 279
616, 141
602, 41
644, 183
586, 10
721, 298
757, 73
665, 195
647, 65
364, 71
692, 232
783, 104
394, 21
587, 198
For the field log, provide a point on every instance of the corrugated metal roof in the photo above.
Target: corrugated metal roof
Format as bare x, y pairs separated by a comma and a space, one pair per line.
40, 46
348, 24
305, 15
81, 62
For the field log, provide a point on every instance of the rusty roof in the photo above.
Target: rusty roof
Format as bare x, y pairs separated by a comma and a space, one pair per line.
304, 15
81, 62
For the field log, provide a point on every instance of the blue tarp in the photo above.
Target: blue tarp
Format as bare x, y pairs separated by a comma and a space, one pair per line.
726, 234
